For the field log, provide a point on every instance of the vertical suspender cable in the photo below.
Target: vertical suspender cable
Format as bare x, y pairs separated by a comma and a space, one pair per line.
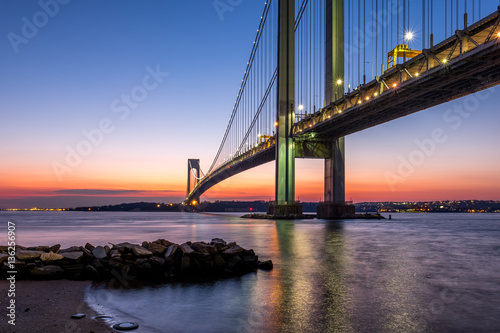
364, 41
376, 37
359, 42
423, 24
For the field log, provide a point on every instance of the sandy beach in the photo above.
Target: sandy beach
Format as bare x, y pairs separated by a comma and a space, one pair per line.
47, 306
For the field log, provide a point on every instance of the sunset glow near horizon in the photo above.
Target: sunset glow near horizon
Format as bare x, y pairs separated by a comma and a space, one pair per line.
105, 103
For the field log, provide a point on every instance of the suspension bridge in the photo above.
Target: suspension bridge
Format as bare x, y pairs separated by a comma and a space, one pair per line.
305, 85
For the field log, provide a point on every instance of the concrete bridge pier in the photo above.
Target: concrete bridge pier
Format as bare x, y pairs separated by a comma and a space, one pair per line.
334, 205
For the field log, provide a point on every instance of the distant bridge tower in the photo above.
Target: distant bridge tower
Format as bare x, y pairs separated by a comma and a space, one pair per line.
334, 197
193, 166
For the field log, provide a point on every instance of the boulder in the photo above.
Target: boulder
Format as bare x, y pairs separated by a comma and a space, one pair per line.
157, 249
51, 256
216, 241
163, 242
156, 261
219, 261
170, 253
71, 249
266, 265
28, 255
186, 249
204, 248
47, 272
185, 262
77, 255
141, 252
236, 249
55, 248
99, 252
89, 246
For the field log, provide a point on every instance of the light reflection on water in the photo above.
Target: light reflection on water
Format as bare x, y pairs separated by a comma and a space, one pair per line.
415, 273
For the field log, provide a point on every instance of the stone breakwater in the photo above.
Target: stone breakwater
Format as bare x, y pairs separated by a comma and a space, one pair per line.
159, 259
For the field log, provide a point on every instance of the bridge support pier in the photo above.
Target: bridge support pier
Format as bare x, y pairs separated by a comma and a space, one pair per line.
285, 205
334, 205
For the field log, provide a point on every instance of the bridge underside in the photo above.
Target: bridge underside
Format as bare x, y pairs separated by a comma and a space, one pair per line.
473, 72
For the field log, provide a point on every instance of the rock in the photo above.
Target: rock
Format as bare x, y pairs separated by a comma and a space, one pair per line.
28, 255
236, 249
266, 265
186, 249
170, 253
216, 241
219, 261
77, 255
107, 249
91, 272
3, 257
157, 249
156, 261
99, 252
185, 262
87, 252
71, 249
55, 248
204, 248
163, 242
51, 256
4, 248
89, 247
47, 272
124, 247
141, 252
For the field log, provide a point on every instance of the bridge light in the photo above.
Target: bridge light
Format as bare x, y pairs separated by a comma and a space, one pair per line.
367, 98
417, 74
359, 102
276, 124
498, 34
375, 94
194, 203
445, 61
409, 35
394, 85
301, 107
339, 82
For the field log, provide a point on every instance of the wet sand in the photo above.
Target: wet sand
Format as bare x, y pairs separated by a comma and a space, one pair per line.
47, 306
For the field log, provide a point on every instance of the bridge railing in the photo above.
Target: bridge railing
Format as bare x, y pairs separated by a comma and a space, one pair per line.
443, 54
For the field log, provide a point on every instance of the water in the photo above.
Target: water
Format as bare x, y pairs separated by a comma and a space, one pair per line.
414, 273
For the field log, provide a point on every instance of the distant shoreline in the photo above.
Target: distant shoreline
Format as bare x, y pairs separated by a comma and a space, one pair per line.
448, 206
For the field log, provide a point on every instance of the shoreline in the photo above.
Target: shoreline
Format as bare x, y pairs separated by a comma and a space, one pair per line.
47, 306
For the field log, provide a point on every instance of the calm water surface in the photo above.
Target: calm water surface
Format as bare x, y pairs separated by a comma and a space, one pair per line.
414, 273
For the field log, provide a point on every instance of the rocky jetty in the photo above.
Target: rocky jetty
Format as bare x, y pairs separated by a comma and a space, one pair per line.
157, 260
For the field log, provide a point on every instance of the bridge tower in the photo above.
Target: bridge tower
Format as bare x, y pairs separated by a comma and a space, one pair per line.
334, 205
285, 204
193, 164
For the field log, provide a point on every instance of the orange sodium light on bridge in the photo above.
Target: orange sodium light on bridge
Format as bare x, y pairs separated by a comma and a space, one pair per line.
394, 85
367, 98
498, 34
276, 123
376, 94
